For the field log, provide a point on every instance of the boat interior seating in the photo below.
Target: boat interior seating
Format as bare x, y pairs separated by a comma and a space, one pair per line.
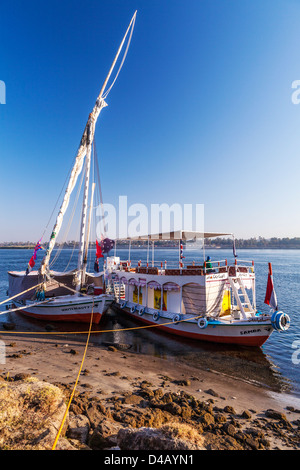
222, 269
184, 272
189, 270
144, 270
172, 272
242, 269
232, 271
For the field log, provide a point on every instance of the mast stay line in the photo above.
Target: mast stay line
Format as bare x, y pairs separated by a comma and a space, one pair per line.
83, 150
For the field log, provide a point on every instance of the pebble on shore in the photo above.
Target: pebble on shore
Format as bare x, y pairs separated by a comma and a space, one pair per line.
147, 419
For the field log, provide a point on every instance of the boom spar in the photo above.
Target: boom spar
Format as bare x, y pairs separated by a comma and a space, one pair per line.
83, 150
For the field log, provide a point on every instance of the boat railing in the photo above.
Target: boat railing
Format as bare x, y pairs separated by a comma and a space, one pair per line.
179, 268
243, 266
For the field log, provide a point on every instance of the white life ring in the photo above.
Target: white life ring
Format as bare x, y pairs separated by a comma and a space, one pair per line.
280, 321
133, 309
202, 323
176, 318
141, 310
123, 304
156, 316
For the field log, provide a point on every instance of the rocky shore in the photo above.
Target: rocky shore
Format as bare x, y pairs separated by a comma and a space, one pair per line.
128, 401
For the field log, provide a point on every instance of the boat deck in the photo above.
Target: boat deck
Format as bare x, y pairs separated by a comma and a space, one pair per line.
179, 269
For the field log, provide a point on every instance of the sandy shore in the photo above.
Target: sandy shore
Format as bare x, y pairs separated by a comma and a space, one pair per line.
110, 371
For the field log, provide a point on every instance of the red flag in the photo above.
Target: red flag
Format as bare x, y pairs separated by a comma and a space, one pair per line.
271, 298
33, 258
30, 265
98, 250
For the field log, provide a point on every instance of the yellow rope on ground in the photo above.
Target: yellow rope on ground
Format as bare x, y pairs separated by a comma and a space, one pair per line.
84, 354
76, 382
86, 345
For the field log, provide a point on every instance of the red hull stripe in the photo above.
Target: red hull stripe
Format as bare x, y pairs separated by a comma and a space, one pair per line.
243, 340
78, 317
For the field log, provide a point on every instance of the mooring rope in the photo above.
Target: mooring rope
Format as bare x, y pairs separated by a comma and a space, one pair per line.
76, 382
86, 345
20, 293
22, 307
77, 332
84, 354
97, 331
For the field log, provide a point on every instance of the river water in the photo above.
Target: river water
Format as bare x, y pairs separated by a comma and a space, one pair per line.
276, 364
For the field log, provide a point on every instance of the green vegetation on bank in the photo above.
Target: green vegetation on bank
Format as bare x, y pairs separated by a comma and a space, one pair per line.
260, 242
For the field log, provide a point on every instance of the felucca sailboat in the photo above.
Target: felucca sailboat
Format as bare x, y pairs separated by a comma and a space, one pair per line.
75, 295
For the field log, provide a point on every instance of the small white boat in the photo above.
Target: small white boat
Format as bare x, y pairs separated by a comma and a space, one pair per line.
75, 296
65, 308
58, 304
209, 303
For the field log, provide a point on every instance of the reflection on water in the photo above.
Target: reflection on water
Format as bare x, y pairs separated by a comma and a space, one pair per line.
246, 363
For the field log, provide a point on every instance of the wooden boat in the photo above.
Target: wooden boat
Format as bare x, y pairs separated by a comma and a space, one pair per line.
76, 296
215, 303
58, 304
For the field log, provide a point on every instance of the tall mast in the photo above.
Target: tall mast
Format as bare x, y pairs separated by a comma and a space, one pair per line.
80, 277
84, 149
86, 249
82, 268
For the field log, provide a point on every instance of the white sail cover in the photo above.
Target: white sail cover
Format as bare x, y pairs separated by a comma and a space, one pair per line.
59, 220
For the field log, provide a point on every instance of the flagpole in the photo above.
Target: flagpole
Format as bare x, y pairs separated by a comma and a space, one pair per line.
271, 298
270, 269
233, 248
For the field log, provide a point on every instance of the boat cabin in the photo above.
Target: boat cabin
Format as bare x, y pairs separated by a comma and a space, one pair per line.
215, 291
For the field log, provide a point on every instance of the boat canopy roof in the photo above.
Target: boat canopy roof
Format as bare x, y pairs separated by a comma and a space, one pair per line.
179, 235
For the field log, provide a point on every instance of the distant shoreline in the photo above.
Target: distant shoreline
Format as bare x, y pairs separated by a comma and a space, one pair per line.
217, 243
29, 247
13, 247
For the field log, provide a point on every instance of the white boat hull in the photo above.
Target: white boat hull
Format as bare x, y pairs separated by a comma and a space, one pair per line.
252, 332
68, 308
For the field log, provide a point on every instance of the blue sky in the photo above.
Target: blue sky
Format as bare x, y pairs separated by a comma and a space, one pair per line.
201, 112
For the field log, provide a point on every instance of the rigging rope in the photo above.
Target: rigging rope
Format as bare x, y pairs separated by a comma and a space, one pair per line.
76, 332
25, 306
57, 254
36, 303
99, 188
105, 94
20, 293
58, 199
